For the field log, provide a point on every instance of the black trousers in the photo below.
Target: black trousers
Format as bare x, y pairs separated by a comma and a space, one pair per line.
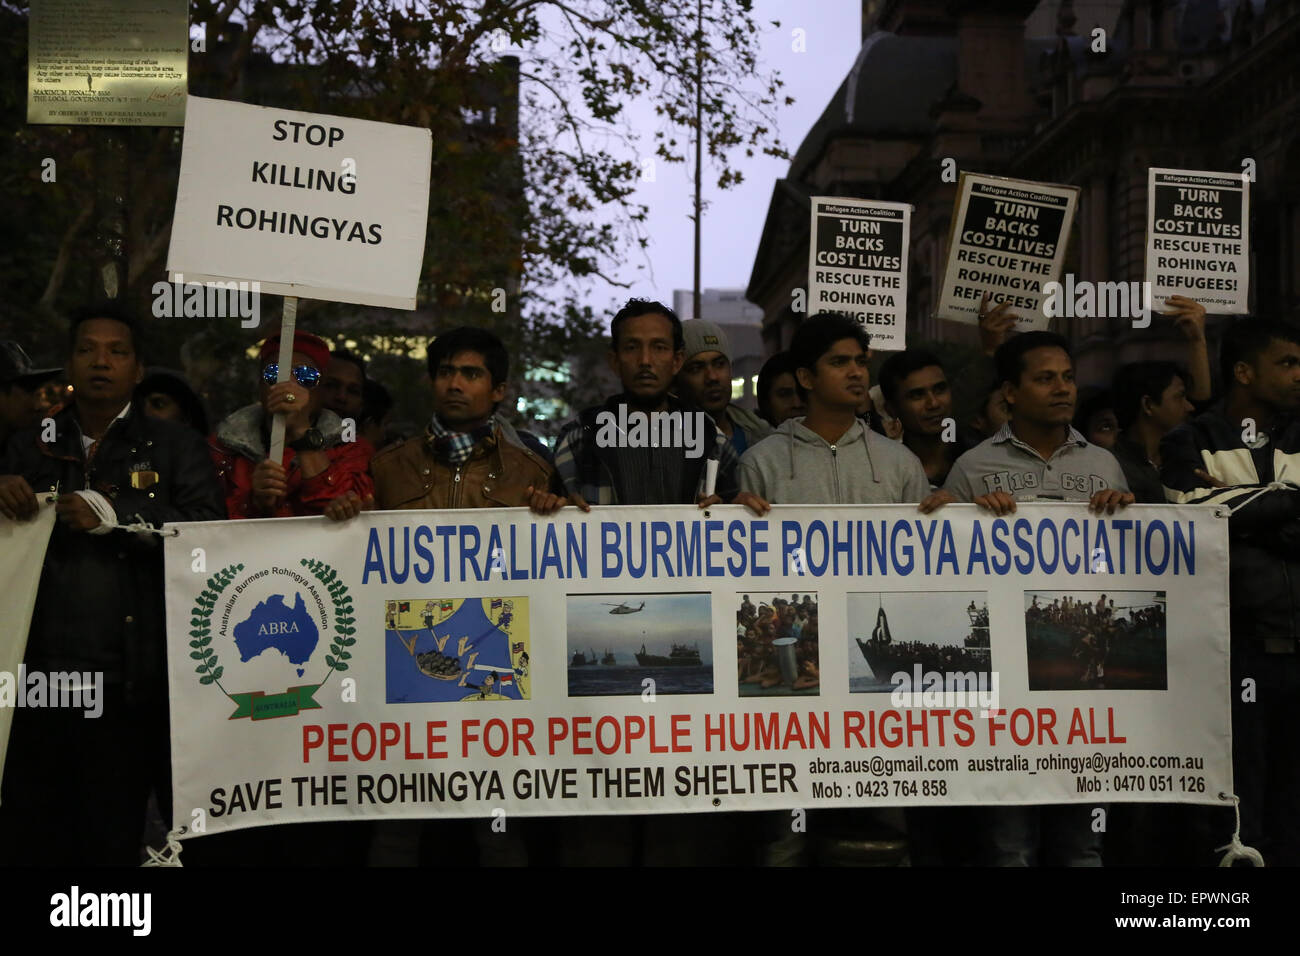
1266, 752
76, 789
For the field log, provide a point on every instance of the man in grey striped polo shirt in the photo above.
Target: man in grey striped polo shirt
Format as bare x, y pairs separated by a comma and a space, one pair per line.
1036, 456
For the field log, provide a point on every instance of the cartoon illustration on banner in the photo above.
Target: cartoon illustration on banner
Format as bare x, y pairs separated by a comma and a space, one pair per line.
445, 649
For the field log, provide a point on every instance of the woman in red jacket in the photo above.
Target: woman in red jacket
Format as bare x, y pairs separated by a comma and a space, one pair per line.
318, 465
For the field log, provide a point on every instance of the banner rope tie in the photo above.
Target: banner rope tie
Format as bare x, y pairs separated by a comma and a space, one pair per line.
1271, 486
1236, 849
108, 517
171, 855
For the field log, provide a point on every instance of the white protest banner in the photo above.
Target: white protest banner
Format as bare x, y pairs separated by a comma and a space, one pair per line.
1198, 242
22, 556
857, 265
309, 205
661, 660
1008, 240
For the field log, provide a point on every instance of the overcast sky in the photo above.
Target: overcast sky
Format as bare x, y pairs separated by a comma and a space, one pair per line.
733, 222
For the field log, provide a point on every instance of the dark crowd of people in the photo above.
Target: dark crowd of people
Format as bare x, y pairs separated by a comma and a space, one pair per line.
132, 446
1067, 611
938, 658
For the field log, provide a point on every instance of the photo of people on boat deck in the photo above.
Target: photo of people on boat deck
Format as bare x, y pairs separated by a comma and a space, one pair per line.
943, 632
776, 645
1090, 640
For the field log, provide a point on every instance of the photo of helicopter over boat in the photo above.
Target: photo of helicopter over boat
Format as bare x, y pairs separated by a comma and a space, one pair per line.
623, 608
663, 639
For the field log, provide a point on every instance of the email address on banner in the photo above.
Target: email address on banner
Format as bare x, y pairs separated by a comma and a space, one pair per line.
1101, 763
885, 767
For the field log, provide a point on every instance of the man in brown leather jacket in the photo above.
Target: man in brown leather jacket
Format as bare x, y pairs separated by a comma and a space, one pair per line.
466, 458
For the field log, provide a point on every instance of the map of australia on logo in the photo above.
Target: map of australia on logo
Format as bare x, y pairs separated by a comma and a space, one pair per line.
271, 625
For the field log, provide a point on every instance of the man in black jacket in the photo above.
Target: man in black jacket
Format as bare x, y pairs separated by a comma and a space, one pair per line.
76, 789
644, 446
1244, 454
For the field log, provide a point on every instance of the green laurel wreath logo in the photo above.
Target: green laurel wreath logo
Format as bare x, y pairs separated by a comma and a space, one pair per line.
208, 669
343, 620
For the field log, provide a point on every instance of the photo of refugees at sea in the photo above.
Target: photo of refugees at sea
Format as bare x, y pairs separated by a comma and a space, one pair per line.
643, 644
943, 632
776, 645
1089, 640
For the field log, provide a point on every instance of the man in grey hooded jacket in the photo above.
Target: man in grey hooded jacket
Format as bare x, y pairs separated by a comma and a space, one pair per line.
830, 456
827, 457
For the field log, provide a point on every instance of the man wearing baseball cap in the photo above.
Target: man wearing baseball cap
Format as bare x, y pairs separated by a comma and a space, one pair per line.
20, 382
705, 381
318, 466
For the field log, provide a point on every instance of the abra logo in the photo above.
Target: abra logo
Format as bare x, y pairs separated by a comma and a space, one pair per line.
264, 627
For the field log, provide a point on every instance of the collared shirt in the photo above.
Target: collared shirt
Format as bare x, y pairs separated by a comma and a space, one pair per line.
86, 441
1074, 472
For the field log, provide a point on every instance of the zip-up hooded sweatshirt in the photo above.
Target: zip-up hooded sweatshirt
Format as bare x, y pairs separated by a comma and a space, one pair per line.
798, 466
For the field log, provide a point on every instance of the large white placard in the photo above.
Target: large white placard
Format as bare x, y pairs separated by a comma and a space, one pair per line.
857, 265
1198, 238
1008, 240
323, 207
22, 557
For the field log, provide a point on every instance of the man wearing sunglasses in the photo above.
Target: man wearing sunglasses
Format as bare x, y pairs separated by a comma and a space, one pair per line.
318, 466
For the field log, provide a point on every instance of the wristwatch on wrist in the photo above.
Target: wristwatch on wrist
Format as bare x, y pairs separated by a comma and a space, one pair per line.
311, 440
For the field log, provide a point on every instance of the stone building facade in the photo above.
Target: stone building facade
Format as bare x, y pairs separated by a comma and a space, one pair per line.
1019, 88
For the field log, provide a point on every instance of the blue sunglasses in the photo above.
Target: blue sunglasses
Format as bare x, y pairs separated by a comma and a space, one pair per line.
305, 375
